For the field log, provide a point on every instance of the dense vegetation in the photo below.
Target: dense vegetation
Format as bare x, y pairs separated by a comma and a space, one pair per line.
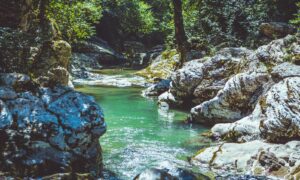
234, 22
75, 19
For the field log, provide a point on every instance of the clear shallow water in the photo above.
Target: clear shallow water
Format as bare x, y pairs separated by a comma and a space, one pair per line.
141, 136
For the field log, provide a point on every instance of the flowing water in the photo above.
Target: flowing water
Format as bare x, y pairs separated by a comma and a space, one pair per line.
139, 134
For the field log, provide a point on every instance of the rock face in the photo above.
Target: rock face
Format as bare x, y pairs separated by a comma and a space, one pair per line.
31, 48
45, 131
142, 59
93, 54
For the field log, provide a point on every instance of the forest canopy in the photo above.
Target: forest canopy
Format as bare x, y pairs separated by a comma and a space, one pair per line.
235, 22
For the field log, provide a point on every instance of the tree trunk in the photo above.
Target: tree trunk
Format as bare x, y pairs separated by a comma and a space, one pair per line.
180, 36
43, 7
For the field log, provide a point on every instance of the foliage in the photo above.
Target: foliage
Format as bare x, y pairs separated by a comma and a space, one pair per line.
135, 16
75, 19
296, 21
233, 21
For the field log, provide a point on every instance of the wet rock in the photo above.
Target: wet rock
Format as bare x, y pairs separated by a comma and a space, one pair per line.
168, 98
158, 88
49, 131
154, 174
276, 29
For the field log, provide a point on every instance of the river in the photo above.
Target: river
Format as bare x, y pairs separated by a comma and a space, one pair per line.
139, 134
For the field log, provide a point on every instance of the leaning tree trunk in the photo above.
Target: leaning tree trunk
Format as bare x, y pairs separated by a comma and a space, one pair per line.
180, 36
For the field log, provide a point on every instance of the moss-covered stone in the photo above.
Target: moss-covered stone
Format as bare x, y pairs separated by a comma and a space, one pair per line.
162, 67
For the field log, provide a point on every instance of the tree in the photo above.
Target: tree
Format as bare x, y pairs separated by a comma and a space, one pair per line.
180, 35
75, 19
43, 8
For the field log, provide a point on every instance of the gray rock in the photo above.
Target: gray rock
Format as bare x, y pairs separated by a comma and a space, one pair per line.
275, 117
158, 88
285, 70
236, 100
200, 80
55, 129
280, 111
254, 158
168, 98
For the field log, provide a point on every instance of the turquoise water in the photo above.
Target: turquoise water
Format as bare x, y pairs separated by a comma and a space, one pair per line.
141, 136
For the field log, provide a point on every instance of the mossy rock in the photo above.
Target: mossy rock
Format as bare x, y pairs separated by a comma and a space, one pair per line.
162, 67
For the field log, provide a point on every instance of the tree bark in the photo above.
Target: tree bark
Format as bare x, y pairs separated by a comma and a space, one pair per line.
43, 7
180, 35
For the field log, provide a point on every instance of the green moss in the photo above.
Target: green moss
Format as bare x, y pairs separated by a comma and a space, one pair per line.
160, 68
169, 54
199, 152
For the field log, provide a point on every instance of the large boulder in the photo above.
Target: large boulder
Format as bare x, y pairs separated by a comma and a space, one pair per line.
242, 90
200, 80
276, 116
236, 100
45, 131
161, 67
